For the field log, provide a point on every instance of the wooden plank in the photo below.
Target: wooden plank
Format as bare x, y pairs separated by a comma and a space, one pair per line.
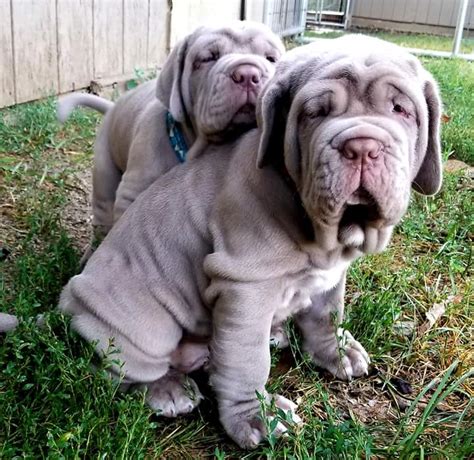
159, 23
387, 9
376, 10
422, 11
470, 18
75, 44
410, 11
7, 78
135, 34
189, 14
360, 8
449, 13
35, 49
434, 10
398, 12
108, 38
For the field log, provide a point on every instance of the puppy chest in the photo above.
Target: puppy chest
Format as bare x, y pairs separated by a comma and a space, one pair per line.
301, 288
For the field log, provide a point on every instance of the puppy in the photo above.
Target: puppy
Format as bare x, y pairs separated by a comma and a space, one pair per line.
263, 228
207, 90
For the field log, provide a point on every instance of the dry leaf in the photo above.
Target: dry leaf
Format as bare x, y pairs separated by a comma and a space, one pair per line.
445, 118
432, 315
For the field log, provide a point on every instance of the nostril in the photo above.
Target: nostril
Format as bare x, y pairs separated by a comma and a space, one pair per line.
374, 153
246, 75
255, 78
237, 77
349, 154
363, 147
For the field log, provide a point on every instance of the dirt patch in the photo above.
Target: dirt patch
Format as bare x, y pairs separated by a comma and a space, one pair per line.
457, 165
76, 216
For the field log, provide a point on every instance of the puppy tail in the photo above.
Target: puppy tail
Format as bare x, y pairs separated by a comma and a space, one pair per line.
68, 103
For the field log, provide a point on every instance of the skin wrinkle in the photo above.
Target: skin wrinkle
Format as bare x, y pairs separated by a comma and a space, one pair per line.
213, 107
251, 262
328, 160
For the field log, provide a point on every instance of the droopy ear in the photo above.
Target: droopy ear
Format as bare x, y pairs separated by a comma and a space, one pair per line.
429, 177
168, 86
272, 111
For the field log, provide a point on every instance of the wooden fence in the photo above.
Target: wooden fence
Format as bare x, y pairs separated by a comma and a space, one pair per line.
431, 16
56, 46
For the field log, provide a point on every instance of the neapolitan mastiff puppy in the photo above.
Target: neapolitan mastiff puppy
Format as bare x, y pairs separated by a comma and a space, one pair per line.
265, 228
207, 91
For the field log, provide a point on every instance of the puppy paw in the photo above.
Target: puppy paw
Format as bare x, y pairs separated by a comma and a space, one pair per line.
173, 394
348, 360
249, 430
279, 337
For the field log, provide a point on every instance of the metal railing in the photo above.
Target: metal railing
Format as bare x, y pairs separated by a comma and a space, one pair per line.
286, 17
329, 13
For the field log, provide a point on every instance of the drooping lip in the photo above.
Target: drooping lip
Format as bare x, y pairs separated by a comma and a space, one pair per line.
360, 197
360, 209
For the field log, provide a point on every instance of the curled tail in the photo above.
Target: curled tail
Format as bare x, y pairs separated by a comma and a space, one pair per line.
68, 103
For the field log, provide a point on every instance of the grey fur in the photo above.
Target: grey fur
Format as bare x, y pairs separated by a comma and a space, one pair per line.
68, 103
220, 249
132, 148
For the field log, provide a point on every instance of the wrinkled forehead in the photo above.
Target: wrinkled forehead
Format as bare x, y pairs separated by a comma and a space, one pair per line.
357, 73
238, 40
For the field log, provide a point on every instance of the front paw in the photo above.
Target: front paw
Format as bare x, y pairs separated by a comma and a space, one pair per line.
346, 358
248, 429
278, 337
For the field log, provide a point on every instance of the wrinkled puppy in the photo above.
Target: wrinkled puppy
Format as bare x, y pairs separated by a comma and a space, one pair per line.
207, 90
266, 229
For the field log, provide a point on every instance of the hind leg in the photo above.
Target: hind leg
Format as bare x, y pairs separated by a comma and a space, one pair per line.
148, 353
105, 181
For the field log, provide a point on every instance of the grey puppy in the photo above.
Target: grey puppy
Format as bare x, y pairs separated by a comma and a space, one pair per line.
265, 228
209, 84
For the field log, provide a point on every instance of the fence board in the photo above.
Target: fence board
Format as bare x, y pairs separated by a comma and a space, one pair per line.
188, 14
432, 16
399, 10
108, 38
363, 9
410, 11
35, 48
422, 11
135, 34
388, 7
158, 32
376, 10
7, 81
75, 50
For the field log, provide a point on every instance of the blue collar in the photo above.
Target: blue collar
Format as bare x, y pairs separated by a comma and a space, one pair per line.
176, 137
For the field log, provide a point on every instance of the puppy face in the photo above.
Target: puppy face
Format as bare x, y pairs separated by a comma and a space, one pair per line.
361, 127
220, 74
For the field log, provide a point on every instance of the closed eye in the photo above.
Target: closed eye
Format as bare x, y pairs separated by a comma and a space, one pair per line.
210, 57
320, 113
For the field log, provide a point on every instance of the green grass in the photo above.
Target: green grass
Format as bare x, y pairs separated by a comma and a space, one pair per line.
53, 406
456, 81
408, 40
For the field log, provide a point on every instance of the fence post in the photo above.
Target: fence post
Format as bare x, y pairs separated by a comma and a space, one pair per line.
459, 27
